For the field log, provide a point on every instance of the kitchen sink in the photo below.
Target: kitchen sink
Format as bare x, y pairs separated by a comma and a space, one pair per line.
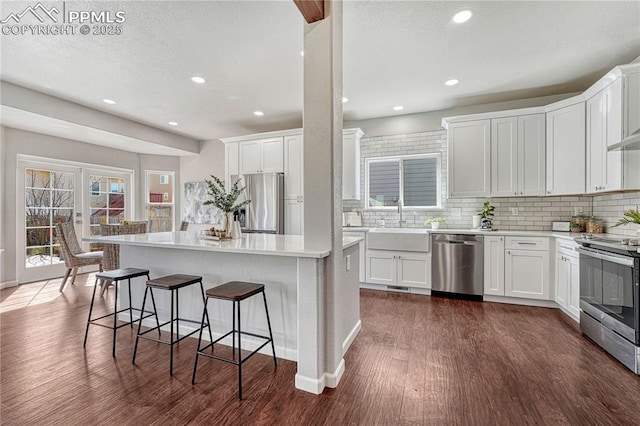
398, 239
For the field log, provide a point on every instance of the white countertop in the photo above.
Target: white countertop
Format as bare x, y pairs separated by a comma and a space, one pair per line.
566, 235
263, 244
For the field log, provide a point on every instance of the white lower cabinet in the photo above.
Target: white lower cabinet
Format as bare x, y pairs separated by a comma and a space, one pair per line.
567, 278
294, 216
517, 267
363, 251
398, 268
494, 266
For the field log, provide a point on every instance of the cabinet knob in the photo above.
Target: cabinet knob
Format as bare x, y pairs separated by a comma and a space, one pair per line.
522, 193
508, 252
399, 257
548, 192
515, 193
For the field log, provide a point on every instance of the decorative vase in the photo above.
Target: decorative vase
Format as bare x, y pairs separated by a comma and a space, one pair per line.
475, 219
435, 225
228, 222
486, 224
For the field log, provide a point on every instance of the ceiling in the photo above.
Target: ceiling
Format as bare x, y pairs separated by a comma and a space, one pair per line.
395, 53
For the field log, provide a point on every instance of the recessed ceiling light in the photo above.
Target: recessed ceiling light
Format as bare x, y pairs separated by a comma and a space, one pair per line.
258, 113
345, 100
462, 16
109, 101
398, 108
173, 123
198, 80
452, 82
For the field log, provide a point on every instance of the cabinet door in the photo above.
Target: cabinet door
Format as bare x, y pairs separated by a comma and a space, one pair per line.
631, 107
504, 157
531, 154
413, 270
566, 142
351, 166
561, 281
294, 217
527, 274
494, 266
573, 299
469, 159
381, 267
250, 157
613, 134
272, 155
596, 150
293, 167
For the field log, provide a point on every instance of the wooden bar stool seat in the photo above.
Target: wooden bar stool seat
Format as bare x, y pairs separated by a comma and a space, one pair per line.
172, 283
115, 276
235, 291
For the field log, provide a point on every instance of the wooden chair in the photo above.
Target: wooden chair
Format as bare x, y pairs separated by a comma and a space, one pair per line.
74, 256
112, 251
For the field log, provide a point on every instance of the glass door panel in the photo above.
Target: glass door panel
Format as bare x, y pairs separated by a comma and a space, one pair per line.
109, 200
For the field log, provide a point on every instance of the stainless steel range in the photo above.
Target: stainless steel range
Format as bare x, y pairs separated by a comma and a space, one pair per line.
610, 296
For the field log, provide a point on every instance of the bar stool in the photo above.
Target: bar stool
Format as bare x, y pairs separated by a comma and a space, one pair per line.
116, 275
172, 283
235, 291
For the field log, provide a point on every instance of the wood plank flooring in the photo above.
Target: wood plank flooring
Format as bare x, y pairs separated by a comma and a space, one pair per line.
417, 361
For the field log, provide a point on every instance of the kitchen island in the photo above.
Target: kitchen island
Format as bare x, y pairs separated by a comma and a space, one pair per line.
294, 285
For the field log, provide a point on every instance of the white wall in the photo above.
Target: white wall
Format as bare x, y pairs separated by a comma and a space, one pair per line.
17, 142
2, 196
197, 168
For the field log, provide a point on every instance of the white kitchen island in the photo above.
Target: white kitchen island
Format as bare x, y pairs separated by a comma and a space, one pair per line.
294, 285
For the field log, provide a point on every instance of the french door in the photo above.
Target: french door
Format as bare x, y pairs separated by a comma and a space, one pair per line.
46, 195
49, 193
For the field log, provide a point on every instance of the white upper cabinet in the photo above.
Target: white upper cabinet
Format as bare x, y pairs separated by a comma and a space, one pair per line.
631, 109
518, 155
230, 162
261, 156
351, 164
566, 144
469, 158
596, 148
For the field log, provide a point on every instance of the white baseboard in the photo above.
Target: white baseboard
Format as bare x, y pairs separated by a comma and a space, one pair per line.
351, 337
332, 379
519, 301
8, 284
310, 385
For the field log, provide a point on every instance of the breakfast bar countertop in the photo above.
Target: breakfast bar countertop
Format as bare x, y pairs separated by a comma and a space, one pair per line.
263, 244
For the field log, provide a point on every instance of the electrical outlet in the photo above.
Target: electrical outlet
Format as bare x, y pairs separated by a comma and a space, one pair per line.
514, 211
165, 196
456, 211
577, 210
348, 262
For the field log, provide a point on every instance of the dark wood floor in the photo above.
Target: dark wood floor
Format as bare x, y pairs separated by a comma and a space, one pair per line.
418, 360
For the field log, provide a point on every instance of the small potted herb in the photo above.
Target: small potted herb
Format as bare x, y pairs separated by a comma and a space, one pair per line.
486, 215
434, 221
575, 227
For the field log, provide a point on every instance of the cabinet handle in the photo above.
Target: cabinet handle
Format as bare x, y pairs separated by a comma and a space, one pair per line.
500, 238
509, 252
548, 192
525, 243
522, 193
399, 257
515, 193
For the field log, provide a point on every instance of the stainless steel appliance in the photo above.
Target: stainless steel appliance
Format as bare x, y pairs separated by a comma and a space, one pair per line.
610, 297
457, 265
265, 213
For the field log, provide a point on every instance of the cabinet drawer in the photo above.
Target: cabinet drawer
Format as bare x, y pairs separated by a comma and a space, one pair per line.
567, 247
527, 243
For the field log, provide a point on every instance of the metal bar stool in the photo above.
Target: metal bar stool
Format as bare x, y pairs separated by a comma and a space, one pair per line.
235, 292
115, 276
172, 283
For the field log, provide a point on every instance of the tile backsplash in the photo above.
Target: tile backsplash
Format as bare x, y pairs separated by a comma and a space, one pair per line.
534, 213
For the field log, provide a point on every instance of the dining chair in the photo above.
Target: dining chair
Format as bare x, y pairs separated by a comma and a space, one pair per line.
112, 251
74, 256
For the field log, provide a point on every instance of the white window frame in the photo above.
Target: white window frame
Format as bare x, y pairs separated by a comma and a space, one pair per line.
400, 158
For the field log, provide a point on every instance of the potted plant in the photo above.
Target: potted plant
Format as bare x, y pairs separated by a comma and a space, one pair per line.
434, 221
486, 215
225, 201
575, 227
632, 216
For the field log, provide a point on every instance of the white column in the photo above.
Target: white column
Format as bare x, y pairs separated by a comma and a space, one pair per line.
322, 121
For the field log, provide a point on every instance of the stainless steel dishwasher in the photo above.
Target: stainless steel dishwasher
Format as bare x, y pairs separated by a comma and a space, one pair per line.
457, 265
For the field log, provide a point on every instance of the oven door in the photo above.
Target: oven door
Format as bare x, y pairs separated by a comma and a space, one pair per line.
609, 291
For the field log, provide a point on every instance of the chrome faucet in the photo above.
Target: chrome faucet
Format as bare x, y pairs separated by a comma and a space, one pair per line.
400, 211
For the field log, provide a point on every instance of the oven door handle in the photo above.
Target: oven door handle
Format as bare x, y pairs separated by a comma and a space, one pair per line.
619, 260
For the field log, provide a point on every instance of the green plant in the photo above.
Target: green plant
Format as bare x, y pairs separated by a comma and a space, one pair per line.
225, 201
632, 216
487, 210
434, 219
574, 225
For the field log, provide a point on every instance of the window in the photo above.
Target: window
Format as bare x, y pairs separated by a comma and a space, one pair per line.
414, 179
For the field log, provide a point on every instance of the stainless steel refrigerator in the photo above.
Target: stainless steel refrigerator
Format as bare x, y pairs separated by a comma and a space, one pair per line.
265, 213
